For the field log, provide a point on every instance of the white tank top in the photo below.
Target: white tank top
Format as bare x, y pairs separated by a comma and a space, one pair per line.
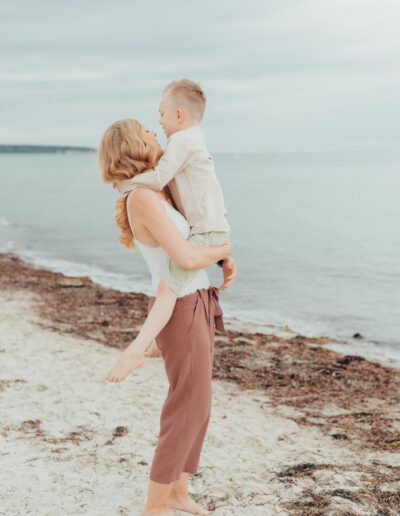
156, 256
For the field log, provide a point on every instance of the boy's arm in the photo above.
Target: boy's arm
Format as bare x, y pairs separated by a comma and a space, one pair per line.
170, 163
229, 270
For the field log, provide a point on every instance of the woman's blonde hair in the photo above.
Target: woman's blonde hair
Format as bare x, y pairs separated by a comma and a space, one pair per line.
122, 155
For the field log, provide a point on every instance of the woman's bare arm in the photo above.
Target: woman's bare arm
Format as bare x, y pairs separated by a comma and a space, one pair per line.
151, 211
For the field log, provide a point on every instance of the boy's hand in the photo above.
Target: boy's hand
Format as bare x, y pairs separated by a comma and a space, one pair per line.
228, 248
229, 270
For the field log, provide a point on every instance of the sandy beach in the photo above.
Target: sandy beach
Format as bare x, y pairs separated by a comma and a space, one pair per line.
296, 428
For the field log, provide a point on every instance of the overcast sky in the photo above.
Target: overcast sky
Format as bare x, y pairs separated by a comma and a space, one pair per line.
279, 74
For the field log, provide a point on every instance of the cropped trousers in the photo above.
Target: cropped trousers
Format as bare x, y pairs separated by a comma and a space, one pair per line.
187, 347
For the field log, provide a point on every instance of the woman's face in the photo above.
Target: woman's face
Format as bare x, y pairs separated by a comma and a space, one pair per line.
150, 138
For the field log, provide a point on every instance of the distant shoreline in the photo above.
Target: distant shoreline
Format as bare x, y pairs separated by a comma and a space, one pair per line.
42, 149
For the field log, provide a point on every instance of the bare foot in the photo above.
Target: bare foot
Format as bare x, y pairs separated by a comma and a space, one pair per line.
155, 512
127, 362
185, 503
153, 350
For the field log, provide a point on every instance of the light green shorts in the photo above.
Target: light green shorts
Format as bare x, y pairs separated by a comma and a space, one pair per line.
176, 277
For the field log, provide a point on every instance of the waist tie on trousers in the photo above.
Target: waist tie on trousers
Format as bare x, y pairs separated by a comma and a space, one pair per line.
210, 300
212, 307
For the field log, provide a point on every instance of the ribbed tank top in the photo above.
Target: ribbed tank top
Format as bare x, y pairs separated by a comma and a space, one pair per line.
156, 256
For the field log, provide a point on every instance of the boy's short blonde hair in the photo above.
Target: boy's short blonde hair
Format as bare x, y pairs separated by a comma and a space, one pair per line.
190, 95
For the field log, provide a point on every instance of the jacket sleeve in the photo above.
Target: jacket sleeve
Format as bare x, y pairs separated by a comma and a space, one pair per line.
173, 159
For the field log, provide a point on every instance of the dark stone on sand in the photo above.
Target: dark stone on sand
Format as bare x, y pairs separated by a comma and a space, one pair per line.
348, 495
348, 359
299, 470
340, 437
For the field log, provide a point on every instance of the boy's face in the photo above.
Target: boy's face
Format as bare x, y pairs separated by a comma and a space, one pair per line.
170, 116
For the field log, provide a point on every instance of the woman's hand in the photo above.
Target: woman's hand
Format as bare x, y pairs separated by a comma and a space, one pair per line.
229, 270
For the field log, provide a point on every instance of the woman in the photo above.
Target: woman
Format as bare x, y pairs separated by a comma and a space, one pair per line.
187, 341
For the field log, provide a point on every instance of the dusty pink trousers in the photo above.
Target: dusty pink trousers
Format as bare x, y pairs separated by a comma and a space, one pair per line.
187, 346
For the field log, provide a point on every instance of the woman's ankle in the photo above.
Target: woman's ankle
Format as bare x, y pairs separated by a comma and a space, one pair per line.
156, 506
179, 493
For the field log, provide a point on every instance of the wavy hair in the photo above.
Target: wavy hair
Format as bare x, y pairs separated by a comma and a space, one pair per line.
122, 155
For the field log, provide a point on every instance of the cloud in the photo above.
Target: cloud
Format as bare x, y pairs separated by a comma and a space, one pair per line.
301, 74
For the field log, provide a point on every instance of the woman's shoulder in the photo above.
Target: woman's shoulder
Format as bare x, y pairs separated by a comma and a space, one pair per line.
142, 199
143, 206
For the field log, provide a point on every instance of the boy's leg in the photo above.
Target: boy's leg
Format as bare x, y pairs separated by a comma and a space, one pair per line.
159, 314
175, 276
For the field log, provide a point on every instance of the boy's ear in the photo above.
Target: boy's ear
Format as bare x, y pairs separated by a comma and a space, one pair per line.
180, 115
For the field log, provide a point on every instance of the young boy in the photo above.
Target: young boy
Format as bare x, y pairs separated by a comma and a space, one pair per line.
188, 169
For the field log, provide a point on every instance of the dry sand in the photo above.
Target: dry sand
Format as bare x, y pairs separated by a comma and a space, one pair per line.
71, 443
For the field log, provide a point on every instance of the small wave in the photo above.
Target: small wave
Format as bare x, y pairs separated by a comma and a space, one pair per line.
267, 321
7, 247
118, 281
378, 351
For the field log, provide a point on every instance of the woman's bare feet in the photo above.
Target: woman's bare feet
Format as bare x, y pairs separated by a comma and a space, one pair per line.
185, 503
157, 512
153, 351
127, 362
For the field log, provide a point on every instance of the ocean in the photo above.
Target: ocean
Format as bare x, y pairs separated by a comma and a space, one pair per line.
316, 235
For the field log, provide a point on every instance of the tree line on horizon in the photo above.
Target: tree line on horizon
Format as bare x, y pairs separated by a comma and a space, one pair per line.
29, 149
